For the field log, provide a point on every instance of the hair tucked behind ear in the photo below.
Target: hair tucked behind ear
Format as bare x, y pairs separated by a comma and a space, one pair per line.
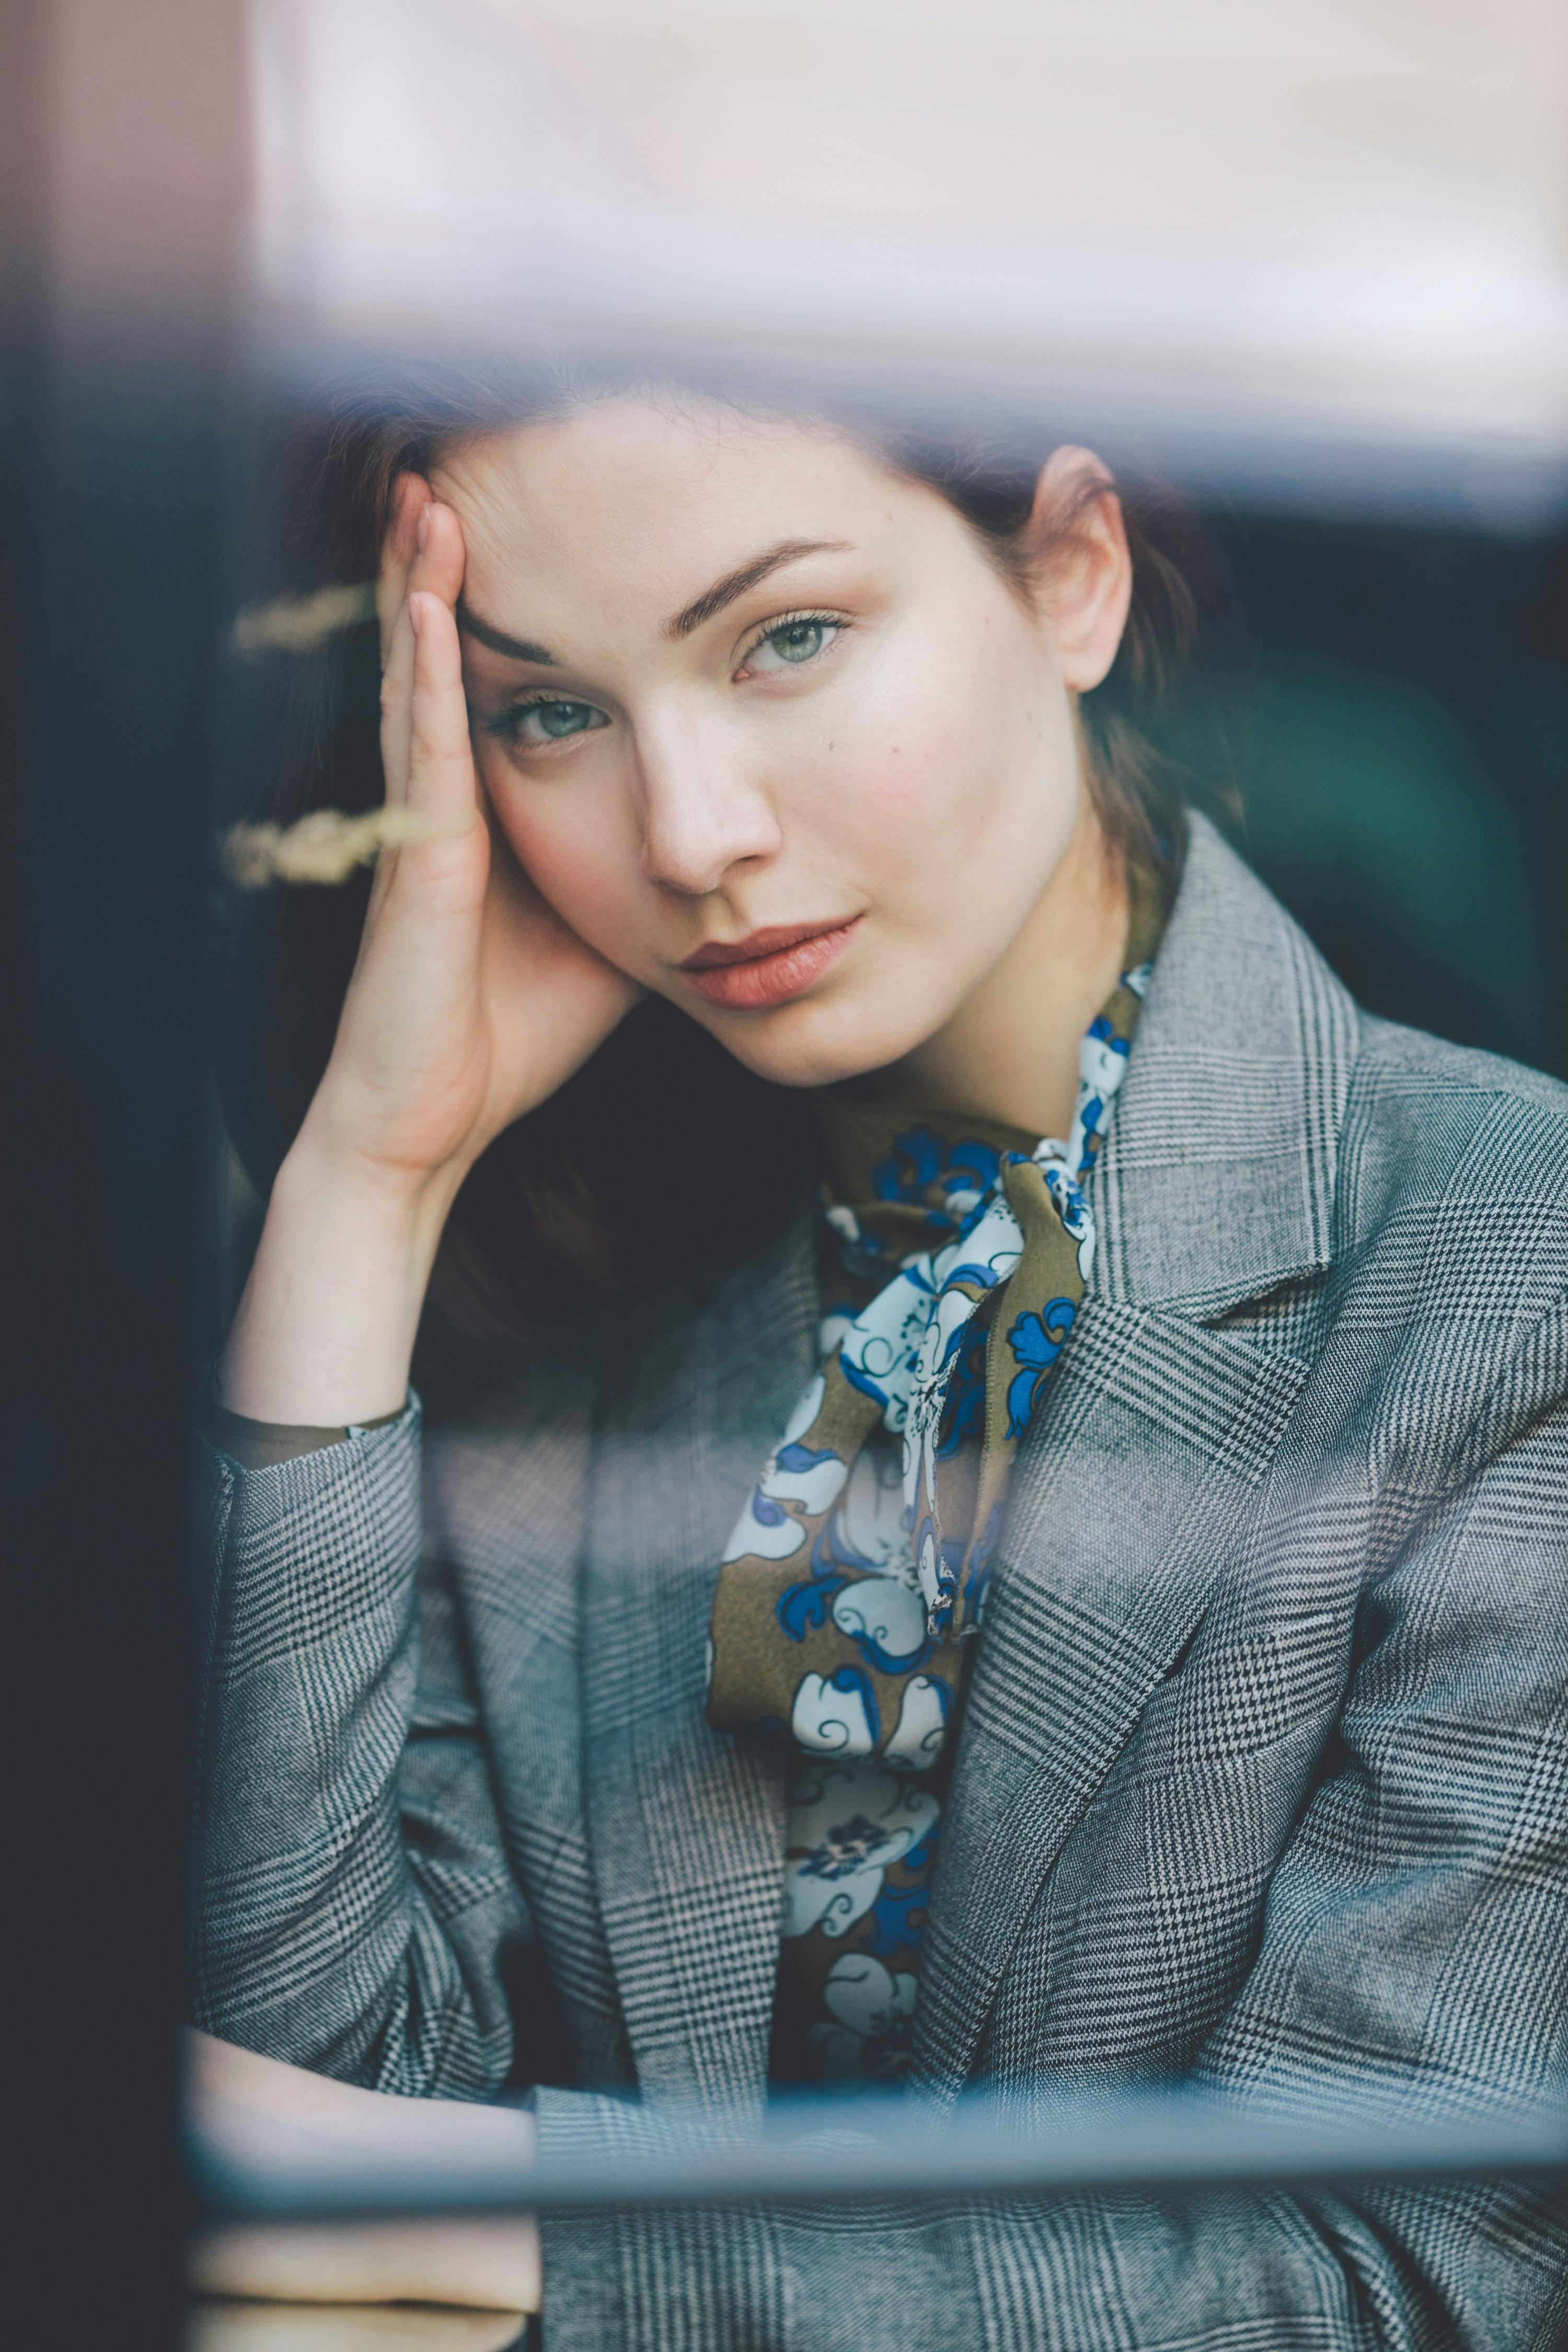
663, 1160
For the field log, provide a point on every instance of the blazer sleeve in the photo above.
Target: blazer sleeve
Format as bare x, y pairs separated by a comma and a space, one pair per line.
1412, 1957
354, 1910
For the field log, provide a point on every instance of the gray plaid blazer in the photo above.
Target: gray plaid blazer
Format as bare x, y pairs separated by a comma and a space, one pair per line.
1263, 1780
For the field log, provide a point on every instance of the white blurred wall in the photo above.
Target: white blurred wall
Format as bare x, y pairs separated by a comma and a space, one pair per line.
1340, 223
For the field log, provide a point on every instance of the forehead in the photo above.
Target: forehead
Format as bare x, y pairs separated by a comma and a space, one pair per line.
632, 504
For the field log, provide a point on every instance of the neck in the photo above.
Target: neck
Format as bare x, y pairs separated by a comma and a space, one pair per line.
1011, 1051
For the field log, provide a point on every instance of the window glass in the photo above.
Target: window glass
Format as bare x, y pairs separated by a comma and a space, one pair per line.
886, 1409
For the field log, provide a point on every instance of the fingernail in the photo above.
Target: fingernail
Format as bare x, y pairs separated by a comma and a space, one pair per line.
416, 617
422, 532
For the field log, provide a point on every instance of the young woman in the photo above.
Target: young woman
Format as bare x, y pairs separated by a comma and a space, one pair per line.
1019, 1535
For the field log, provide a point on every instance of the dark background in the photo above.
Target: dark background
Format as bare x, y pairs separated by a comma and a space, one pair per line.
1391, 705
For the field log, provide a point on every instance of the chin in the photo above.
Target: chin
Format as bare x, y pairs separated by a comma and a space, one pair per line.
817, 1040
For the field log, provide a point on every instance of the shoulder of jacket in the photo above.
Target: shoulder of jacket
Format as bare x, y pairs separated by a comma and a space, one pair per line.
1433, 1114
1392, 1059
1462, 1151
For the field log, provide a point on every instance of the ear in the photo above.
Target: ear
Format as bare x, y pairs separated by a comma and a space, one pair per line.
1077, 531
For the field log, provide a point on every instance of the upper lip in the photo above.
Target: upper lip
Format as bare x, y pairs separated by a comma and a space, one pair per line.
770, 942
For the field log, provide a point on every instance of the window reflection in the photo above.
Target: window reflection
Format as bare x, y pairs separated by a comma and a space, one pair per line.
888, 1474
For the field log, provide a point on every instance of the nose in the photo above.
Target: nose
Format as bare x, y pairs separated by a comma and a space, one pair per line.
703, 811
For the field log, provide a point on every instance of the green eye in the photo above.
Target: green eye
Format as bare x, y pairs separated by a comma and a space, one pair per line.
558, 718
798, 640
792, 643
548, 720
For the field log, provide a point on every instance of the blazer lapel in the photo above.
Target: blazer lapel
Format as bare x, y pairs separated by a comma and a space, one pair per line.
1125, 1505
1217, 1181
1129, 1495
687, 1823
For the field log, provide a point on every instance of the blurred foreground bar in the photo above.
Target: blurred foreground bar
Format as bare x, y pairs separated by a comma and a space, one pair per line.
245, 2169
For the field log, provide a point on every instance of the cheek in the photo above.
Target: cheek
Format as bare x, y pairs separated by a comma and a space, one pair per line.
948, 770
570, 845
898, 808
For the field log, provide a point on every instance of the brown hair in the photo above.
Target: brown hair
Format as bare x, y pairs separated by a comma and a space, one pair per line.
663, 1153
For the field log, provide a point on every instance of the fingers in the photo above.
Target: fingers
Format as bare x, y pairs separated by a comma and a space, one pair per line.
490, 2264
424, 555
233, 2326
427, 756
396, 636
438, 552
441, 781
411, 495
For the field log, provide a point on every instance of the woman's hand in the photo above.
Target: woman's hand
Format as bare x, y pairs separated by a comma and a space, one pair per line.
470, 1002
490, 2263
226, 2327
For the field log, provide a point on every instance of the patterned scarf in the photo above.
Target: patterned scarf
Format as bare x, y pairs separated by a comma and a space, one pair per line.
855, 1576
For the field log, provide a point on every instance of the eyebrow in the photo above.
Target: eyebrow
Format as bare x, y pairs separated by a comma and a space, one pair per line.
485, 633
747, 575
692, 616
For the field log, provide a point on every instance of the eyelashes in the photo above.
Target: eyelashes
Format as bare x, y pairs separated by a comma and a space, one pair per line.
560, 717
797, 627
796, 640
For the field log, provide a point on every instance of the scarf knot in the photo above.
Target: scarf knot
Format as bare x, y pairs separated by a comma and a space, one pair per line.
964, 1251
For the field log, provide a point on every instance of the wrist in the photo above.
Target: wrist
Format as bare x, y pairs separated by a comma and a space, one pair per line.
324, 1335
408, 1206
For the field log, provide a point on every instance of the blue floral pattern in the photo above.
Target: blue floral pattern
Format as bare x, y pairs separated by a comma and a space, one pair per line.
1036, 1341
858, 1567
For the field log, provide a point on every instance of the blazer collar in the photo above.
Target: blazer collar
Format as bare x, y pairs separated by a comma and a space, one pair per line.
1217, 1181
1131, 1491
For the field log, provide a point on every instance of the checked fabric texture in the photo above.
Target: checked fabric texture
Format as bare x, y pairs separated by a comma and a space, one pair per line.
857, 1569
1265, 1760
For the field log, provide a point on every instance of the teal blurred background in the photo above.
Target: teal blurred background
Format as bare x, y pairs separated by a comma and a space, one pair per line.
1385, 707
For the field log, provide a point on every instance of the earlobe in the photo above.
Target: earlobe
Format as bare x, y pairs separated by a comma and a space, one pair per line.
1084, 563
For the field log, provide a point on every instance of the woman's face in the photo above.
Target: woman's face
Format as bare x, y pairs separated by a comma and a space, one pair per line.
737, 687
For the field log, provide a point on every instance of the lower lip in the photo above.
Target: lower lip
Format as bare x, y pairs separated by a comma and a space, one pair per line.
772, 979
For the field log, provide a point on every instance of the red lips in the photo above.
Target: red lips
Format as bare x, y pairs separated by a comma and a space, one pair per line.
767, 967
